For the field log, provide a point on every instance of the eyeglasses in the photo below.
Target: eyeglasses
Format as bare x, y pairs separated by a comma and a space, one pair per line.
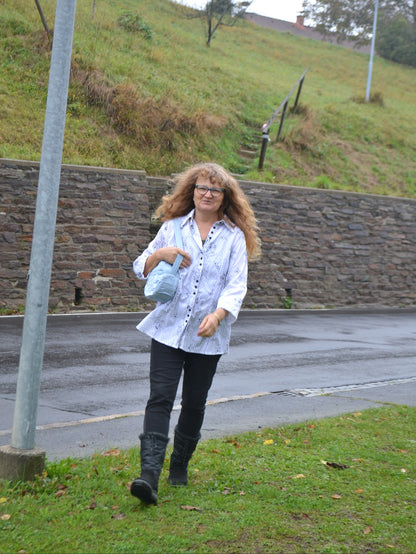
202, 190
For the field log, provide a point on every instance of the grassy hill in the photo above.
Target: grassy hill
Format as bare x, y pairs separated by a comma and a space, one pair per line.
146, 93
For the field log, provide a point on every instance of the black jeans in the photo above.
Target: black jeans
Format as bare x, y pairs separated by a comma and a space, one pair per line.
166, 365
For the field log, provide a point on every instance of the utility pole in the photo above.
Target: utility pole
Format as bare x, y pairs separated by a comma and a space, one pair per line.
370, 66
22, 460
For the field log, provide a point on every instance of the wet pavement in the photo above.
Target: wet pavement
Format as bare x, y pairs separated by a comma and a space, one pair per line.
284, 366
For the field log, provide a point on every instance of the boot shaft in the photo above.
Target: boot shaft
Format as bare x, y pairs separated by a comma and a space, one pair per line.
183, 448
152, 454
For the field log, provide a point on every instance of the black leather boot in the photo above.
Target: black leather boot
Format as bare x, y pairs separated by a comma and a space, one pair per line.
152, 455
183, 448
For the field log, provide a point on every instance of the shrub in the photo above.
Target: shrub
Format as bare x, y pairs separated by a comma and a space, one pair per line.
135, 24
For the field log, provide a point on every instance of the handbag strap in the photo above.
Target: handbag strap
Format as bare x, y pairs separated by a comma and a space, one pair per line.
178, 234
178, 239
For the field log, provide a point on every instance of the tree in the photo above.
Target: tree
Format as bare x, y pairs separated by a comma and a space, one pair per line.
353, 19
222, 12
396, 41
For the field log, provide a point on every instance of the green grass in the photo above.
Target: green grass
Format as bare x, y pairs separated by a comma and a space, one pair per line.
147, 93
339, 485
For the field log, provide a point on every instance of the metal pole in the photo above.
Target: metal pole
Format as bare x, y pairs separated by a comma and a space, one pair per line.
264, 143
282, 120
34, 326
370, 65
42, 17
295, 105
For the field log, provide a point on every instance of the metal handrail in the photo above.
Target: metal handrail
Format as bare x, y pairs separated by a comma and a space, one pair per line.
283, 106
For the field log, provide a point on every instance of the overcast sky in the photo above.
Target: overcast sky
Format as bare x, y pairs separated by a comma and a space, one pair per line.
279, 9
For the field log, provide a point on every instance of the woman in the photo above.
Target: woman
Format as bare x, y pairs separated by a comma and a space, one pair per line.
192, 331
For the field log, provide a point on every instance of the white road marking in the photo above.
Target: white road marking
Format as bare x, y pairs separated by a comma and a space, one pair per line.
290, 392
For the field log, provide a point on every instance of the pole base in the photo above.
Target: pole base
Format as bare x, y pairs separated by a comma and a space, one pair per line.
21, 465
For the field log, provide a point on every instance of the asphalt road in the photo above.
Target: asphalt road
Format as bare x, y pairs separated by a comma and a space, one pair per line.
283, 367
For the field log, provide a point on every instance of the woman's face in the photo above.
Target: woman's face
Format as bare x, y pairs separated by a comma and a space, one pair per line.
205, 202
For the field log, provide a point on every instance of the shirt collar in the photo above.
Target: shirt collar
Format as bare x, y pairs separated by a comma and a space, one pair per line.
190, 216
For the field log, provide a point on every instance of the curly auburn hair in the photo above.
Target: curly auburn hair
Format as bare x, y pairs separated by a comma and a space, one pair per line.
235, 206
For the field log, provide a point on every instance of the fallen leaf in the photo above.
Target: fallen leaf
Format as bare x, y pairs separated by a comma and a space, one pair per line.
3, 500
191, 508
336, 496
287, 441
357, 414
367, 530
226, 491
92, 506
402, 451
112, 452
5, 517
298, 476
60, 493
118, 516
359, 491
242, 493
234, 442
215, 451
335, 465
268, 441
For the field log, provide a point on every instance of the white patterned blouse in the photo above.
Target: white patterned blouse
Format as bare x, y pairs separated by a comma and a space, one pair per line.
216, 278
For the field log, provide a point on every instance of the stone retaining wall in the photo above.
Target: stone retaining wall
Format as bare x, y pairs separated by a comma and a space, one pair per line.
320, 248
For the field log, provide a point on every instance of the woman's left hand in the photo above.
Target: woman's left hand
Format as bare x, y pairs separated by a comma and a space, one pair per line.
209, 325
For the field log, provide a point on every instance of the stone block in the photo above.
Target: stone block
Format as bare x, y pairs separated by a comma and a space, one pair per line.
21, 465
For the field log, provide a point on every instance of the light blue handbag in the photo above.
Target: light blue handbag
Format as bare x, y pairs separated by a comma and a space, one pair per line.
163, 280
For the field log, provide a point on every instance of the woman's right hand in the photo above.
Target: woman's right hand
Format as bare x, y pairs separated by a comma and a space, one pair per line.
166, 254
